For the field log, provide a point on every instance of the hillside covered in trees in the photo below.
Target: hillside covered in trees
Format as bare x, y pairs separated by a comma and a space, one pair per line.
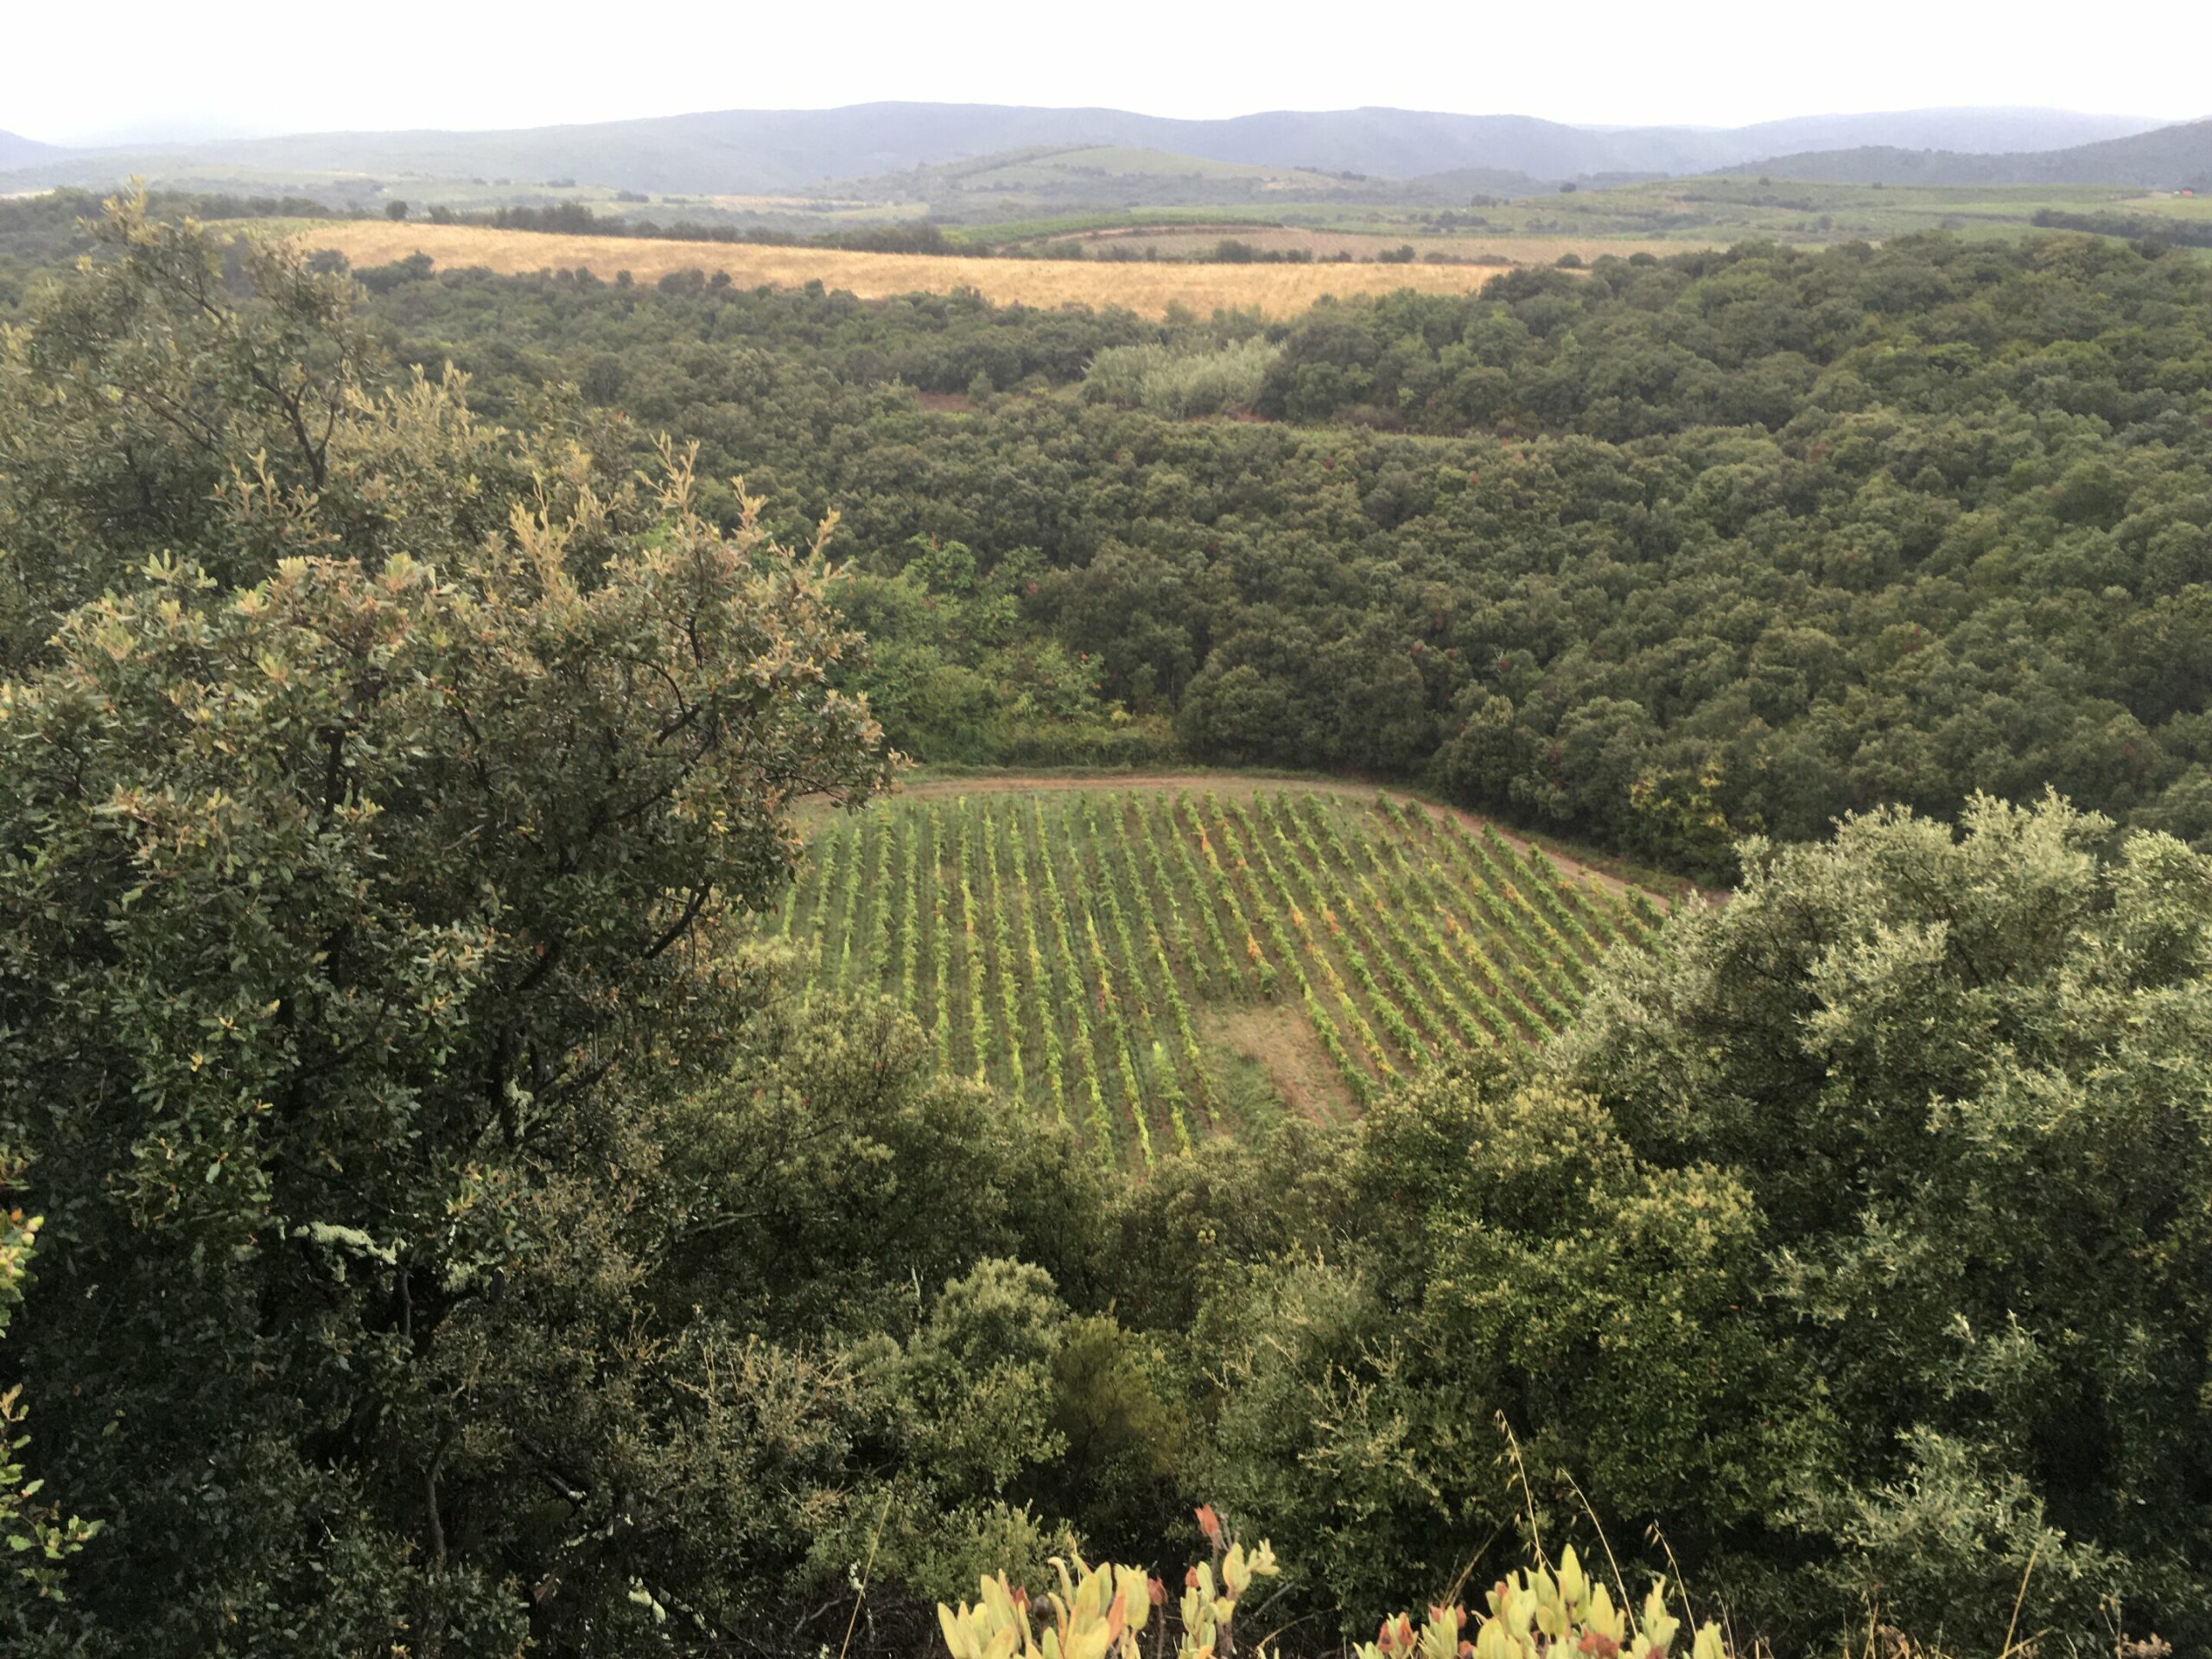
1657, 554
456, 1203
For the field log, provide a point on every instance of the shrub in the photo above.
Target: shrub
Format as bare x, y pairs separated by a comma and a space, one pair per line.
1099, 1612
1176, 384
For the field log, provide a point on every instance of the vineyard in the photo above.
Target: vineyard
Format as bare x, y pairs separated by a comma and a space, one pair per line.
1079, 950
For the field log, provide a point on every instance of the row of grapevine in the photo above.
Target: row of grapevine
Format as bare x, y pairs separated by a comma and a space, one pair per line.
979, 1019
1398, 1006
1068, 981
1160, 1074
940, 949
1113, 1024
1142, 831
1010, 1019
1038, 983
1511, 960
1413, 934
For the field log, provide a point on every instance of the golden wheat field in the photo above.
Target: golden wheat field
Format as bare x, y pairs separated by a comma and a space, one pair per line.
1148, 289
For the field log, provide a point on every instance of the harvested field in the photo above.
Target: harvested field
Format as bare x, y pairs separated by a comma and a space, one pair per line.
1148, 290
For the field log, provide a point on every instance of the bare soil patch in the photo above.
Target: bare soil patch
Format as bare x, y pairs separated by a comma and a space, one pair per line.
1275, 1037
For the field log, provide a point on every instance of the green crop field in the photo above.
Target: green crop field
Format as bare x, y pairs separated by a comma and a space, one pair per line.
1152, 966
1660, 216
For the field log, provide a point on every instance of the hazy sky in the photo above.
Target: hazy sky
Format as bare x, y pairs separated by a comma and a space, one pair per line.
135, 69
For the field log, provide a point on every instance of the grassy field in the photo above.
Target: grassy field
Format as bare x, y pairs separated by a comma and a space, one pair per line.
1721, 210
1148, 290
1657, 217
1009, 233
2193, 209
1152, 965
1663, 217
1187, 243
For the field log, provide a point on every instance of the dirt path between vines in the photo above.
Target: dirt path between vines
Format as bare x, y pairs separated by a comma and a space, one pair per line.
1243, 785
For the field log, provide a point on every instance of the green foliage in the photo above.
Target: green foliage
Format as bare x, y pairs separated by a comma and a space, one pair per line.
1854, 1235
39, 1540
1177, 384
1964, 1081
352, 970
1685, 549
1521, 1258
958, 678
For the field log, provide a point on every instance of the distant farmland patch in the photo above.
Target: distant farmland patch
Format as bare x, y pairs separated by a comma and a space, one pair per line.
1276, 290
1182, 242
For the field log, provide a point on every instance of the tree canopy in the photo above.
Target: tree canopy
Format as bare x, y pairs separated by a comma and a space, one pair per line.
1658, 555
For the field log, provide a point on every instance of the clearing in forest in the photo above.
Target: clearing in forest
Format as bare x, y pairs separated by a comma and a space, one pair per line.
1098, 953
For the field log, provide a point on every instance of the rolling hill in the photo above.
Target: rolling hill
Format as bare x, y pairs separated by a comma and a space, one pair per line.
16, 150
1974, 131
770, 151
2166, 158
1033, 183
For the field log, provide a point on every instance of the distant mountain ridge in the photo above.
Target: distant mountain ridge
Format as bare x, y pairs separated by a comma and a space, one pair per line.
2166, 158
16, 152
767, 152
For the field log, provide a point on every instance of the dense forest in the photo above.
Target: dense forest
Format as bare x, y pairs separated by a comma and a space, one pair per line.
438, 1223
1657, 554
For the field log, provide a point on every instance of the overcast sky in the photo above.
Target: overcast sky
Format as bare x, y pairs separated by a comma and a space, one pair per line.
136, 69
